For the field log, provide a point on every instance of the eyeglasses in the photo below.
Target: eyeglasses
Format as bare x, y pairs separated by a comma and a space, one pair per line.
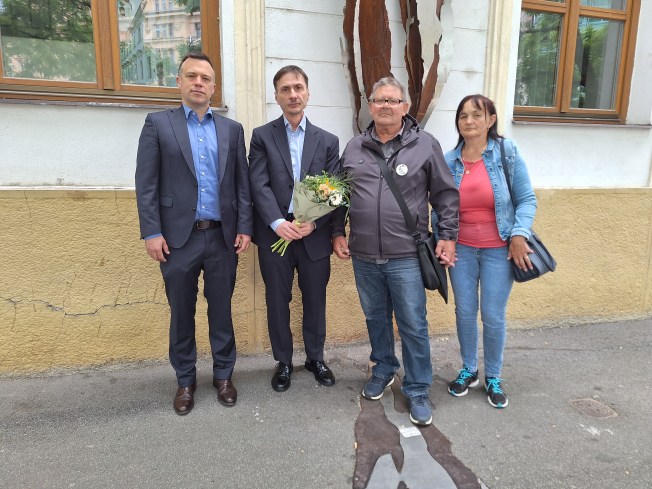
392, 102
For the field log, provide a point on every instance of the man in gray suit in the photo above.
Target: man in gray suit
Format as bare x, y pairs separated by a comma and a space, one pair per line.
194, 205
282, 151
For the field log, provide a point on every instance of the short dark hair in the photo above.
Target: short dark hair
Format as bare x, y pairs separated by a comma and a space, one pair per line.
483, 103
195, 55
289, 69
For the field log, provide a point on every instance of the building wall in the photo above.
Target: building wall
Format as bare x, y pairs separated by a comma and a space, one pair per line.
77, 288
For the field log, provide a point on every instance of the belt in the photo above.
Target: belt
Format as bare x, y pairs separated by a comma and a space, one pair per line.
207, 224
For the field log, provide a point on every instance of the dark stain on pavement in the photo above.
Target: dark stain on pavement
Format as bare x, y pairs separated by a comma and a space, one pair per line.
376, 436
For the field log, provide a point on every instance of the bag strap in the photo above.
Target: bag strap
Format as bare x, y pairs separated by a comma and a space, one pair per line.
505, 169
410, 221
509, 185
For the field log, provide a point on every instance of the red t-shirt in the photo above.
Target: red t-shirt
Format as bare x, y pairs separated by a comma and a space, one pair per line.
477, 209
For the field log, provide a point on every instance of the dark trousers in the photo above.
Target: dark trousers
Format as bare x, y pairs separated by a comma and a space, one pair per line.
278, 275
205, 250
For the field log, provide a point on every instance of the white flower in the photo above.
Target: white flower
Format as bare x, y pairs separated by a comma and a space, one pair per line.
335, 199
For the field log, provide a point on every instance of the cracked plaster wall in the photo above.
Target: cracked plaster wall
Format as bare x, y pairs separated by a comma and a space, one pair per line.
77, 288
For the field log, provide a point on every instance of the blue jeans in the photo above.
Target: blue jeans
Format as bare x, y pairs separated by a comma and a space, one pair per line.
490, 269
396, 287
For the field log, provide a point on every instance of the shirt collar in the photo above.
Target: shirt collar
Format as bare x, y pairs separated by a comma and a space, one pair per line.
302, 124
188, 110
374, 134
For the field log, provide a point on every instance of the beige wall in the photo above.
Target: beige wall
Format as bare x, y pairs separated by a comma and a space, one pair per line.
77, 288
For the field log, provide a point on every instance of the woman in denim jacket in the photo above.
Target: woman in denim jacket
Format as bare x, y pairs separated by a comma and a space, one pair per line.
493, 230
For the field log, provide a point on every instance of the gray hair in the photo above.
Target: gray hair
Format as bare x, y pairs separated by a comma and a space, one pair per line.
391, 81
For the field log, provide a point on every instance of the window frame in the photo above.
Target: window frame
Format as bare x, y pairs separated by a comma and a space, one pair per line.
108, 87
571, 11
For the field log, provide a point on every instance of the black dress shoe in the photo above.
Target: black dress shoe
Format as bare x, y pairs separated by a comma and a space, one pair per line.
281, 378
227, 395
322, 373
184, 399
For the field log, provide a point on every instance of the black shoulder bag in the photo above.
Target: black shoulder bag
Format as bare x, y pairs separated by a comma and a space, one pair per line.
541, 259
433, 273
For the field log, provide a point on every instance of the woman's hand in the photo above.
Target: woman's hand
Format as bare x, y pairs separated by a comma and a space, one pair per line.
445, 252
519, 252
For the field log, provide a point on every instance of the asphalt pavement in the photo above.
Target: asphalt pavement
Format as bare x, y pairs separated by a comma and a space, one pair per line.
578, 417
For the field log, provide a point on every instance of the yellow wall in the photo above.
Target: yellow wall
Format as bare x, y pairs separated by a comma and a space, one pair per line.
77, 287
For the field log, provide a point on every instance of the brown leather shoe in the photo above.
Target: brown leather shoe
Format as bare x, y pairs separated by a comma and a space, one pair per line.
226, 393
184, 399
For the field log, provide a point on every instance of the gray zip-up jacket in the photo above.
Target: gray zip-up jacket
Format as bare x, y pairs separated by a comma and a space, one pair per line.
377, 226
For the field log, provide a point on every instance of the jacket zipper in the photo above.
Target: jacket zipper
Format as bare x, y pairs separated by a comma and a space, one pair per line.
380, 192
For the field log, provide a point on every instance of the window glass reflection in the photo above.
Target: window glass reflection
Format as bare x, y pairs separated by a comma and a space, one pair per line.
538, 58
47, 40
612, 4
597, 60
154, 36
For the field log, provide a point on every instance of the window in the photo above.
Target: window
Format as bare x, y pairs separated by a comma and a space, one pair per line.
165, 5
164, 30
103, 50
575, 59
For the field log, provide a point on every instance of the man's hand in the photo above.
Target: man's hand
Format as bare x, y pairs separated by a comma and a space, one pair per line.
157, 248
341, 247
306, 228
241, 243
445, 251
288, 231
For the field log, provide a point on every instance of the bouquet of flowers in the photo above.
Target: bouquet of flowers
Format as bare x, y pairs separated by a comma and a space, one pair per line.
314, 197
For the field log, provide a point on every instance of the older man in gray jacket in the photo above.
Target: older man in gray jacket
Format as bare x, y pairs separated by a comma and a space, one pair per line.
387, 273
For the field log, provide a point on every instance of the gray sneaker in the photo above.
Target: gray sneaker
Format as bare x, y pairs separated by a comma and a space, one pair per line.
420, 411
374, 387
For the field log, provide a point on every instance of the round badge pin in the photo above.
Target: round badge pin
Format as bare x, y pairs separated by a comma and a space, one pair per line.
401, 169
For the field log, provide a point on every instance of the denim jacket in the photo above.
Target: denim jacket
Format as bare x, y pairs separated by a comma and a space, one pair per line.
513, 219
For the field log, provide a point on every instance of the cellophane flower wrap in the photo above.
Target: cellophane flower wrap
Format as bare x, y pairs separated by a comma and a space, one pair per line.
314, 197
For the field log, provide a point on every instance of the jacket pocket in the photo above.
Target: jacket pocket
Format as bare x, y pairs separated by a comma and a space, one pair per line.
165, 201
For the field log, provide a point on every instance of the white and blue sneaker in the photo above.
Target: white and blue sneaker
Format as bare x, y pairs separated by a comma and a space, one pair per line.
495, 394
460, 386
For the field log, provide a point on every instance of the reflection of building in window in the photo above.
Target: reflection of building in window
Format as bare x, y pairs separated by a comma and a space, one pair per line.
154, 39
163, 30
125, 8
163, 5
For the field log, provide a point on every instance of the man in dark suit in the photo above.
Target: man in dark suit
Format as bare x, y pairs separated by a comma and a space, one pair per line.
194, 205
281, 152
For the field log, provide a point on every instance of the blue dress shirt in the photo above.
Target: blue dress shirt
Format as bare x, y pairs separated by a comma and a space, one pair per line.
295, 142
203, 141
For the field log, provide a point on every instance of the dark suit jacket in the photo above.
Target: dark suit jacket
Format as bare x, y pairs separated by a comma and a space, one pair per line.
166, 184
272, 180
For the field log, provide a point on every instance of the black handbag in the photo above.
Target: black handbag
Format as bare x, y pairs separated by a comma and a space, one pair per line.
541, 259
433, 273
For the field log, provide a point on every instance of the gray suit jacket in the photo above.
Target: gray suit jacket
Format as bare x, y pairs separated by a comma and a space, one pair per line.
166, 184
272, 180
